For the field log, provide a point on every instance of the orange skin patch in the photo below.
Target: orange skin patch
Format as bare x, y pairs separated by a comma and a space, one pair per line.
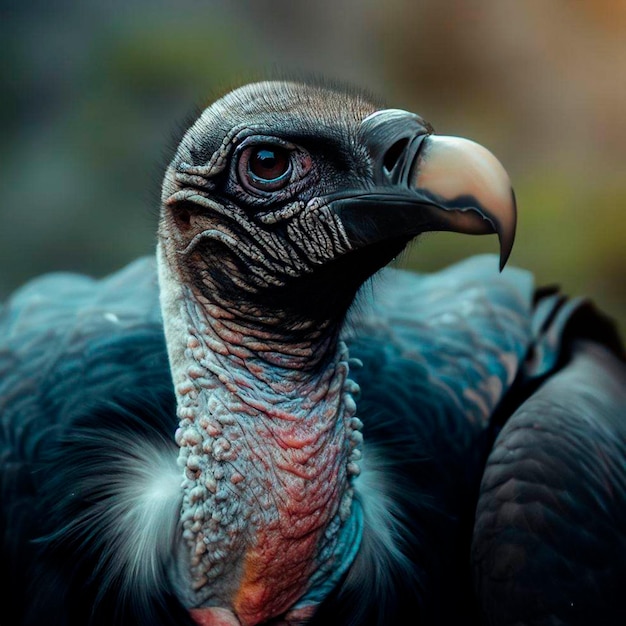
259, 595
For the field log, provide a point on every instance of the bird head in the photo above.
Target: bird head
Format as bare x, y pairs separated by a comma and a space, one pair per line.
291, 195
281, 200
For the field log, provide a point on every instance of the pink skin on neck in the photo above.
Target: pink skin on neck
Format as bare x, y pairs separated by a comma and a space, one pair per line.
287, 480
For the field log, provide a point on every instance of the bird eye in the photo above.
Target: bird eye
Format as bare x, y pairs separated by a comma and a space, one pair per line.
265, 167
268, 164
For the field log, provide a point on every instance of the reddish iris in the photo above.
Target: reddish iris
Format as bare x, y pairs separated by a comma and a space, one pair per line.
268, 164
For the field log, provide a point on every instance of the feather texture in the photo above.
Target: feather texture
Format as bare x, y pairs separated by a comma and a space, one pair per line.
89, 477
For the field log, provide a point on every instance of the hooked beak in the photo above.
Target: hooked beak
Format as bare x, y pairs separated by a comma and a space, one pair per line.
424, 182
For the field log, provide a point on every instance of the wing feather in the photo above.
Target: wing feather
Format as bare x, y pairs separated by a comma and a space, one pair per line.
550, 537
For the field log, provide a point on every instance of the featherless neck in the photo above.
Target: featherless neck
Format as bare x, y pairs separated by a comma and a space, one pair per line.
261, 341
269, 444
261, 368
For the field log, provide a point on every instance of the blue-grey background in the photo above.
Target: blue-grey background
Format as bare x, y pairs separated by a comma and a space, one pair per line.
92, 92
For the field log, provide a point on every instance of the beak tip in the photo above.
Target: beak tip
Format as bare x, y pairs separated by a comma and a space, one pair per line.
506, 233
504, 257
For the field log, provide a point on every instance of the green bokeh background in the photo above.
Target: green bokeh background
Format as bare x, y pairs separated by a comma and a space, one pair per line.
93, 94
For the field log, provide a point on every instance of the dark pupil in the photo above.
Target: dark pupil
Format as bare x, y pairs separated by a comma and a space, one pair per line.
268, 164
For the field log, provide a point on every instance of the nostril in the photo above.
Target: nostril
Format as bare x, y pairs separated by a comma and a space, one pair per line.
393, 154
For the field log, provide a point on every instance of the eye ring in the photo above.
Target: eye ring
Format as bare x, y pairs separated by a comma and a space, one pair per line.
265, 167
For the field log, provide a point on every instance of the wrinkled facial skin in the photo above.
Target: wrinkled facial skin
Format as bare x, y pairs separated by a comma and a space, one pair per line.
277, 246
279, 187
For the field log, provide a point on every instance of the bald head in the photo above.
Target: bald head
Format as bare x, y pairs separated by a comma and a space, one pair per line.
293, 194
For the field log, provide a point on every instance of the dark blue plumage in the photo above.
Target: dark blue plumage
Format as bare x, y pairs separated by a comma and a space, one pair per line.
83, 370
84, 367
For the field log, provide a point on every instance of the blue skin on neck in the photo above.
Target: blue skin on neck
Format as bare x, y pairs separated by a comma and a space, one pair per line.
326, 579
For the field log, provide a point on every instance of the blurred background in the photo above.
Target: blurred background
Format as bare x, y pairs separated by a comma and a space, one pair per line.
93, 93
